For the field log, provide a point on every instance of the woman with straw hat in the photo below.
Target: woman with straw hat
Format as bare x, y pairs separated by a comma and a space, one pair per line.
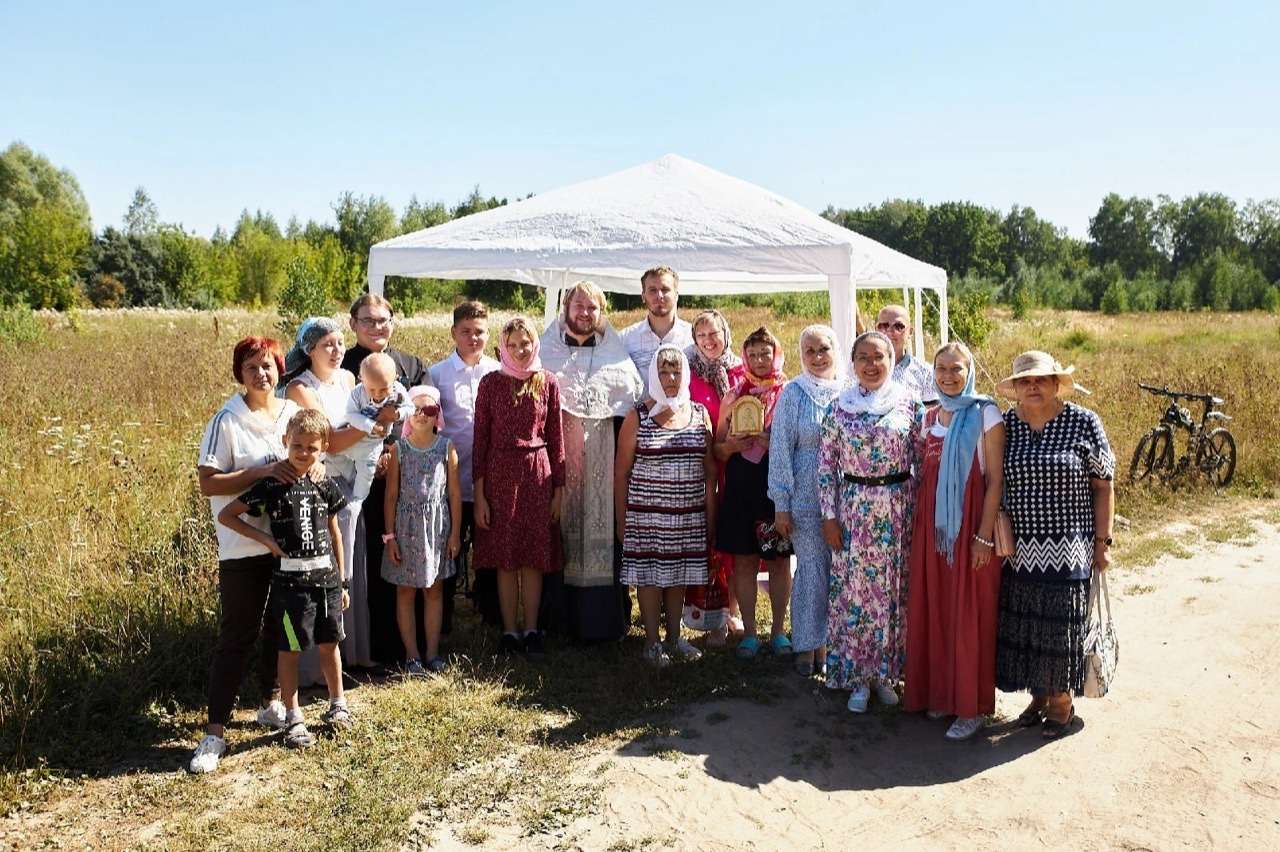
1058, 470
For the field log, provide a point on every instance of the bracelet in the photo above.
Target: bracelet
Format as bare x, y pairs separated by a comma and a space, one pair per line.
346, 585
386, 537
980, 540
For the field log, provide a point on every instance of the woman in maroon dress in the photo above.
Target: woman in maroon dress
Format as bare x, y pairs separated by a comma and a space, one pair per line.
954, 592
518, 466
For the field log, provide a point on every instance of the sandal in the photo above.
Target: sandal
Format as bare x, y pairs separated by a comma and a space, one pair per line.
802, 667
339, 718
1033, 715
780, 645
297, 736
1053, 729
748, 648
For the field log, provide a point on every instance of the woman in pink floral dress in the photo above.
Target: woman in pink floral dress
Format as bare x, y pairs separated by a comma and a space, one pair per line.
868, 448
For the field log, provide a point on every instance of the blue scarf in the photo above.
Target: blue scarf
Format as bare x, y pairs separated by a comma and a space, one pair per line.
956, 463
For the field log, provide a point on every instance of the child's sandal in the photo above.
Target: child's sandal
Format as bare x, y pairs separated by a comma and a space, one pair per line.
297, 736
339, 718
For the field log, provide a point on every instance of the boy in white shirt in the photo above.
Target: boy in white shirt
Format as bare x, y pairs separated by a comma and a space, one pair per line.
458, 377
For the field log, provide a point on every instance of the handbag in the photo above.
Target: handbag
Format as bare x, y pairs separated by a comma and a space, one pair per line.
1005, 547
771, 543
1101, 649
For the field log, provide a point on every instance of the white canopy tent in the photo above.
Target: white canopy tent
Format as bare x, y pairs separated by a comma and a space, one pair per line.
721, 234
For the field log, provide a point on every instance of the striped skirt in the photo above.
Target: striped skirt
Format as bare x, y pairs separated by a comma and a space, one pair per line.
665, 538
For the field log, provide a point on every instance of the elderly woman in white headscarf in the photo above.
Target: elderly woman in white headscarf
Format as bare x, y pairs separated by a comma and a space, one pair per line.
868, 449
664, 490
793, 488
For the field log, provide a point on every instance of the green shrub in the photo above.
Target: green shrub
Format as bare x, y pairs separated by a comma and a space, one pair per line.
1079, 339
19, 326
106, 291
801, 305
304, 295
1272, 302
1115, 300
968, 317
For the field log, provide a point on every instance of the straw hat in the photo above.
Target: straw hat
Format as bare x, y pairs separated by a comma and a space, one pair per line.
1035, 363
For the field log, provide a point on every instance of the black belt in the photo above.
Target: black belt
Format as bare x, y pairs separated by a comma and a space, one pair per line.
888, 479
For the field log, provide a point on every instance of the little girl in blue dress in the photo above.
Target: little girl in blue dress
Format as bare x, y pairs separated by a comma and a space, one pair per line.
423, 497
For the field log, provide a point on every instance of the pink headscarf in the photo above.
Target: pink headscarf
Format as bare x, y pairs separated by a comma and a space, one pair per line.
418, 392
766, 389
513, 369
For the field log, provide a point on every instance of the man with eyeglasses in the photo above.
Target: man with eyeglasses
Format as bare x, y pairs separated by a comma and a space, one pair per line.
373, 321
916, 374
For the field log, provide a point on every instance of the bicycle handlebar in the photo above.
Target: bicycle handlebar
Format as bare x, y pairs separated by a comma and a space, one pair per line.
1207, 398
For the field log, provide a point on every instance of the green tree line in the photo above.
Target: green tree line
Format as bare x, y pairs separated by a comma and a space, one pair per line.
1205, 251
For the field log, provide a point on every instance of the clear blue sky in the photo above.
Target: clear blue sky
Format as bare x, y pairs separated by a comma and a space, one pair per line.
284, 106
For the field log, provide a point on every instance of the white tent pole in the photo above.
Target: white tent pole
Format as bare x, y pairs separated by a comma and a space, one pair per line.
919, 323
375, 275
944, 320
842, 297
553, 288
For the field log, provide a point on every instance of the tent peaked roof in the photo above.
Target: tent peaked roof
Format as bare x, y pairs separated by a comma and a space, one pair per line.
722, 234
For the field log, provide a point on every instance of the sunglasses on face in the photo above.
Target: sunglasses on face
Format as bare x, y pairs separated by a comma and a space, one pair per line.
897, 325
430, 410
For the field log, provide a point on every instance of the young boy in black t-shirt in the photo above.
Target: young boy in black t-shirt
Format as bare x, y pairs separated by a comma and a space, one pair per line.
308, 594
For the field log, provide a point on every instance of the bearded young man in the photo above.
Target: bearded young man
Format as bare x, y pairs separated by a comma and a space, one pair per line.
598, 384
660, 290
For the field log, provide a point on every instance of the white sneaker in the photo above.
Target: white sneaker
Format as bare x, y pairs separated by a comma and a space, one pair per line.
684, 650
885, 694
657, 656
962, 729
207, 754
272, 715
858, 700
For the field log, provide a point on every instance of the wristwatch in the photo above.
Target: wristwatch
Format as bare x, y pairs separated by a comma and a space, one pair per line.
346, 585
1107, 541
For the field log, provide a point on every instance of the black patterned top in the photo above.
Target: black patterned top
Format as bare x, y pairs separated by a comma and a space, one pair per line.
1047, 490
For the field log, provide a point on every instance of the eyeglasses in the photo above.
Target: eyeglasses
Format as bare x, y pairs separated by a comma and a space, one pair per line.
376, 322
897, 325
427, 410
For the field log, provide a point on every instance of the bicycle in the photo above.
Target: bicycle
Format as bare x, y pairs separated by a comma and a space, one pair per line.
1212, 446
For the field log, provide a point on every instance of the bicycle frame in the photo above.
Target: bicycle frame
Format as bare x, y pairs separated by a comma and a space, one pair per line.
1212, 448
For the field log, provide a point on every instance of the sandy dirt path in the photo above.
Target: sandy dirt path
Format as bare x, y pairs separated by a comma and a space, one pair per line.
1184, 753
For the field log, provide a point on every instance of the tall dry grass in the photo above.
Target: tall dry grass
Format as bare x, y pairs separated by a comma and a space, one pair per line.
107, 563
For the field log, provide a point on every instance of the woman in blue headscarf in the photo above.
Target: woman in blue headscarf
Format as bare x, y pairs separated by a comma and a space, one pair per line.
954, 591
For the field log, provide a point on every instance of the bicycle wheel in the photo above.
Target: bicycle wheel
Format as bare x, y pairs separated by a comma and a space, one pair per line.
1216, 457
1153, 455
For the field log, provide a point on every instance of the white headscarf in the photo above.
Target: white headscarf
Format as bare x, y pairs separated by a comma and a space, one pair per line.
821, 390
664, 402
857, 400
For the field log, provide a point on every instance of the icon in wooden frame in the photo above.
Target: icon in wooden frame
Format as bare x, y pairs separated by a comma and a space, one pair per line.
746, 416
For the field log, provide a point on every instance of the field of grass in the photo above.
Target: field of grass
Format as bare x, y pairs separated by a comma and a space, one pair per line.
108, 609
